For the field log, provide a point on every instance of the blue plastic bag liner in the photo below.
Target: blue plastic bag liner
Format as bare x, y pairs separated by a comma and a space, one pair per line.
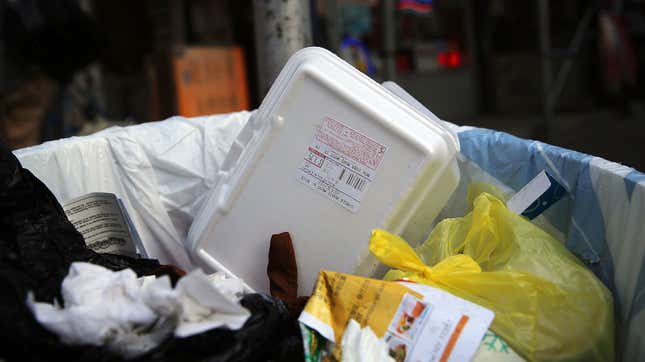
600, 219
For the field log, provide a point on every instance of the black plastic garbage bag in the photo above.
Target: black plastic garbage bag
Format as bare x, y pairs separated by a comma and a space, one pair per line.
37, 246
270, 334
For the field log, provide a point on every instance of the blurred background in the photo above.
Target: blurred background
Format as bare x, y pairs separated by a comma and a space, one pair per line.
567, 72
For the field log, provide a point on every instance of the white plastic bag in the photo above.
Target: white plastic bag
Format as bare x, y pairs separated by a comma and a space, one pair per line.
161, 171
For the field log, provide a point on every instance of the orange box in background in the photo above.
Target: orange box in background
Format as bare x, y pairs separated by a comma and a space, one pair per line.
210, 80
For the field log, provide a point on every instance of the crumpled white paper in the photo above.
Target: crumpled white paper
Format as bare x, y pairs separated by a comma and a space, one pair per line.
232, 287
131, 315
362, 345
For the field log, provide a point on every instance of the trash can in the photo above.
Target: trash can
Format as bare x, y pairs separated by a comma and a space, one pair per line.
163, 171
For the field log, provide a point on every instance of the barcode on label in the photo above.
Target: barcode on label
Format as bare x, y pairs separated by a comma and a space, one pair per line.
352, 180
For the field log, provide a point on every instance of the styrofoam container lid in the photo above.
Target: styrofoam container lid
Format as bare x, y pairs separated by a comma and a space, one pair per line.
329, 156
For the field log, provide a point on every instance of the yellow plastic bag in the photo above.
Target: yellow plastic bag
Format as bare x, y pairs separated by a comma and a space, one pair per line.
548, 305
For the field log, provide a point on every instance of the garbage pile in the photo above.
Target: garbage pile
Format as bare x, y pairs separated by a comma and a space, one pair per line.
322, 240
61, 300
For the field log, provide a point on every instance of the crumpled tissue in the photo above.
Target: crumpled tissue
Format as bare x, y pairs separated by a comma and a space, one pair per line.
130, 315
362, 345
231, 287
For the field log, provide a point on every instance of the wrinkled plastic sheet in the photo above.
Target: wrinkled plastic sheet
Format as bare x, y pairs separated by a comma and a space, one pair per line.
162, 171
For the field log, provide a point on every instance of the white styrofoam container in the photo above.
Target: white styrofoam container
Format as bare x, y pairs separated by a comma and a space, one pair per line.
383, 164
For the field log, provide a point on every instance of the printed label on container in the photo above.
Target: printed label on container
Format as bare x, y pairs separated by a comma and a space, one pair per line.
341, 163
